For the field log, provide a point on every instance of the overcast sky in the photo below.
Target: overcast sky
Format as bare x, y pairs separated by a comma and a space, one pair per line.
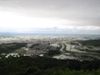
50, 15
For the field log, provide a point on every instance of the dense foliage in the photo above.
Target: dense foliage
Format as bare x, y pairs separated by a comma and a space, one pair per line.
47, 66
8, 48
95, 42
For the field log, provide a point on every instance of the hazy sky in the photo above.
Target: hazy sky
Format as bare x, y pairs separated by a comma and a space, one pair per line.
74, 16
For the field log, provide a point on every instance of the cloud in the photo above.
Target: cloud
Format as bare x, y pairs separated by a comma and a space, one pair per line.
75, 14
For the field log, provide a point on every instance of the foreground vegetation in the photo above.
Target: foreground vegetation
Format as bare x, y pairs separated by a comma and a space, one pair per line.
25, 65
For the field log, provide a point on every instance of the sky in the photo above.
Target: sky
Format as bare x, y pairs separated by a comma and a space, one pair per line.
50, 16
